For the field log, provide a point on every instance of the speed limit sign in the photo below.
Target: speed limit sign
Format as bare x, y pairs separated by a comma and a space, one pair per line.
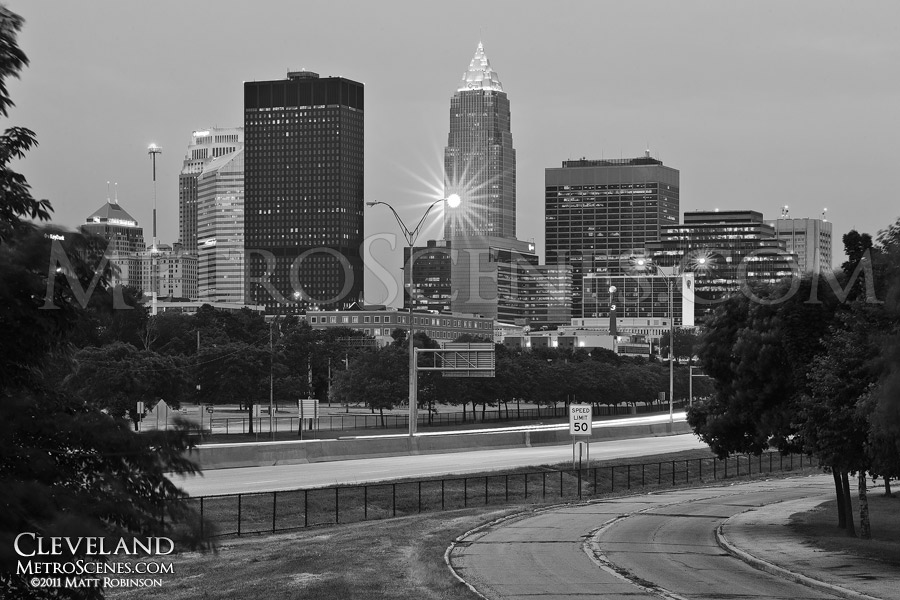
580, 419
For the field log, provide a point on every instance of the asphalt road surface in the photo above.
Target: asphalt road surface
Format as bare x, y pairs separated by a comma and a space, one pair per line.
291, 477
640, 547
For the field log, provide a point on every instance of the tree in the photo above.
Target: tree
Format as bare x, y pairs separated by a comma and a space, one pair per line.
380, 378
234, 373
115, 377
685, 343
757, 353
67, 468
834, 417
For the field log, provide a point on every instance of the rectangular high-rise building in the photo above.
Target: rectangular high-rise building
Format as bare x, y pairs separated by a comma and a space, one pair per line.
303, 178
205, 146
431, 276
479, 160
727, 251
599, 212
220, 229
809, 239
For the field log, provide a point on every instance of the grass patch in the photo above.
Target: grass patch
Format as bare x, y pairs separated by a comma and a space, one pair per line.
399, 559
818, 527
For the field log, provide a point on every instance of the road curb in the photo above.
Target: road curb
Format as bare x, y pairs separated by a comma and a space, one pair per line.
773, 569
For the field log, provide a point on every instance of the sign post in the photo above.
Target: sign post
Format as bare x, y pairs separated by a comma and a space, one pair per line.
309, 411
580, 427
140, 414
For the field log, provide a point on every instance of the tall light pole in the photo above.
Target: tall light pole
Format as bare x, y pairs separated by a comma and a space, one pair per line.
153, 150
670, 284
411, 235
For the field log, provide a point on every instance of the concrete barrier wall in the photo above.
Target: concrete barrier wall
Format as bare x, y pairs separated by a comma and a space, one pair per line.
256, 454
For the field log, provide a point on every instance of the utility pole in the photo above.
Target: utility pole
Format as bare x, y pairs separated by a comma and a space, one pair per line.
153, 150
271, 380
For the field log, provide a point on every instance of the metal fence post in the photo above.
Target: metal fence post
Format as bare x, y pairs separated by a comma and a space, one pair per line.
239, 515
560, 484
274, 507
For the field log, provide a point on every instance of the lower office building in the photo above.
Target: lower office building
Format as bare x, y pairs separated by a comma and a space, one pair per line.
380, 322
727, 252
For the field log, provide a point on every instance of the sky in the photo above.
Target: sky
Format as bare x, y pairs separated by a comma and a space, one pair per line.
759, 104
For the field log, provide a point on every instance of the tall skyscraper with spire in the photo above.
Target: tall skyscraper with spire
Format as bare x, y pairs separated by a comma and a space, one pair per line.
479, 160
491, 272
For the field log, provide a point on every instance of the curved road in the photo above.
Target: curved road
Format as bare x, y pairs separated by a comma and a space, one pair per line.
640, 547
291, 477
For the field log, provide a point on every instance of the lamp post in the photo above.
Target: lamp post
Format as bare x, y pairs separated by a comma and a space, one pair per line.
411, 235
670, 285
153, 150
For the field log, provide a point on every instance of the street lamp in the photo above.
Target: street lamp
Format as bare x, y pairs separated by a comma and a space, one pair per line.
411, 235
153, 150
642, 263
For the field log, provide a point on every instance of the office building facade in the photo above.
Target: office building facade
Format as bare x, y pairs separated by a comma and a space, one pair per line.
169, 269
639, 296
431, 276
303, 181
125, 241
380, 322
727, 252
600, 212
479, 160
808, 239
205, 146
220, 229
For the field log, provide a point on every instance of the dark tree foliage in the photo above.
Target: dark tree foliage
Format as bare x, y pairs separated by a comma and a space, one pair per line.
757, 354
67, 468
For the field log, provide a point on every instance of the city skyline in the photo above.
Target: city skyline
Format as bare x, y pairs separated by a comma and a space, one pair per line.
775, 105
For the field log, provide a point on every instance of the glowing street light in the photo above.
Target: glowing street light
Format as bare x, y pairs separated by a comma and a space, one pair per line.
411, 235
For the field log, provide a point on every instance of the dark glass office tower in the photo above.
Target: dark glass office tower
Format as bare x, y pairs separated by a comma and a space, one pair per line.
739, 252
599, 212
303, 178
479, 160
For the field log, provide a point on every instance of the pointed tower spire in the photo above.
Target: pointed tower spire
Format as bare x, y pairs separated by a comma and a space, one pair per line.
480, 75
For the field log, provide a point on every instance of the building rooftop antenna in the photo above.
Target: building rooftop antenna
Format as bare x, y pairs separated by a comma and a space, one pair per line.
107, 192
